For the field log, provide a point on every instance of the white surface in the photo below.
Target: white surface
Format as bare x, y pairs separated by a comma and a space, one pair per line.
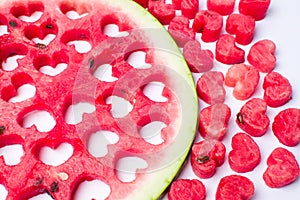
281, 25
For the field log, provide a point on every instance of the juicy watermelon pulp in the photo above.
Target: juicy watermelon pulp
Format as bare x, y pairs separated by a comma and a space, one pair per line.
77, 83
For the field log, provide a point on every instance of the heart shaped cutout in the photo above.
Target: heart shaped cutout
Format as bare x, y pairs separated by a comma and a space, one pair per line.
180, 31
286, 126
213, 121
227, 52
209, 23
34, 17
206, 156
81, 46
72, 14
197, 59
154, 91
252, 117
3, 192
11, 54
57, 156
120, 107
127, 168
41, 119
21, 89
44, 196
52, 66
138, 60
277, 89
105, 73
11, 62
12, 154
235, 187
98, 142
210, 87
3, 30
162, 11
242, 26
79, 38
94, 189
74, 113
151, 132
244, 80
282, 170
30, 13
42, 35
74, 10
113, 30
245, 153
262, 55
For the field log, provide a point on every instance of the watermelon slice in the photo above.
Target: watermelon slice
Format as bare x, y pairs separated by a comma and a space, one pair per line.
75, 38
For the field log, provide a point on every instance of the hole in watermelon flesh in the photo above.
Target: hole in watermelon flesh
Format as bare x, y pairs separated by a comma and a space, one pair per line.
98, 142
74, 113
34, 17
154, 91
137, 60
79, 38
72, 14
46, 40
81, 46
93, 189
11, 149
3, 192
11, 63
24, 92
127, 167
112, 30
120, 106
12, 154
104, 73
151, 132
41, 119
10, 54
43, 196
30, 13
49, 70
51, 66
3, 30
57, 156
22, 88
73, 10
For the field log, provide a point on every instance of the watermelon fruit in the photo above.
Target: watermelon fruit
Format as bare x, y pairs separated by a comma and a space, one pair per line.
44, 34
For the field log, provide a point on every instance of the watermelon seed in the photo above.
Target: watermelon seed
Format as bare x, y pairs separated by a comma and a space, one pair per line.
49, 26
41, 46
54, 187
240, 118
13, 23
203, 159
92, 62
38, 182
2, 129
